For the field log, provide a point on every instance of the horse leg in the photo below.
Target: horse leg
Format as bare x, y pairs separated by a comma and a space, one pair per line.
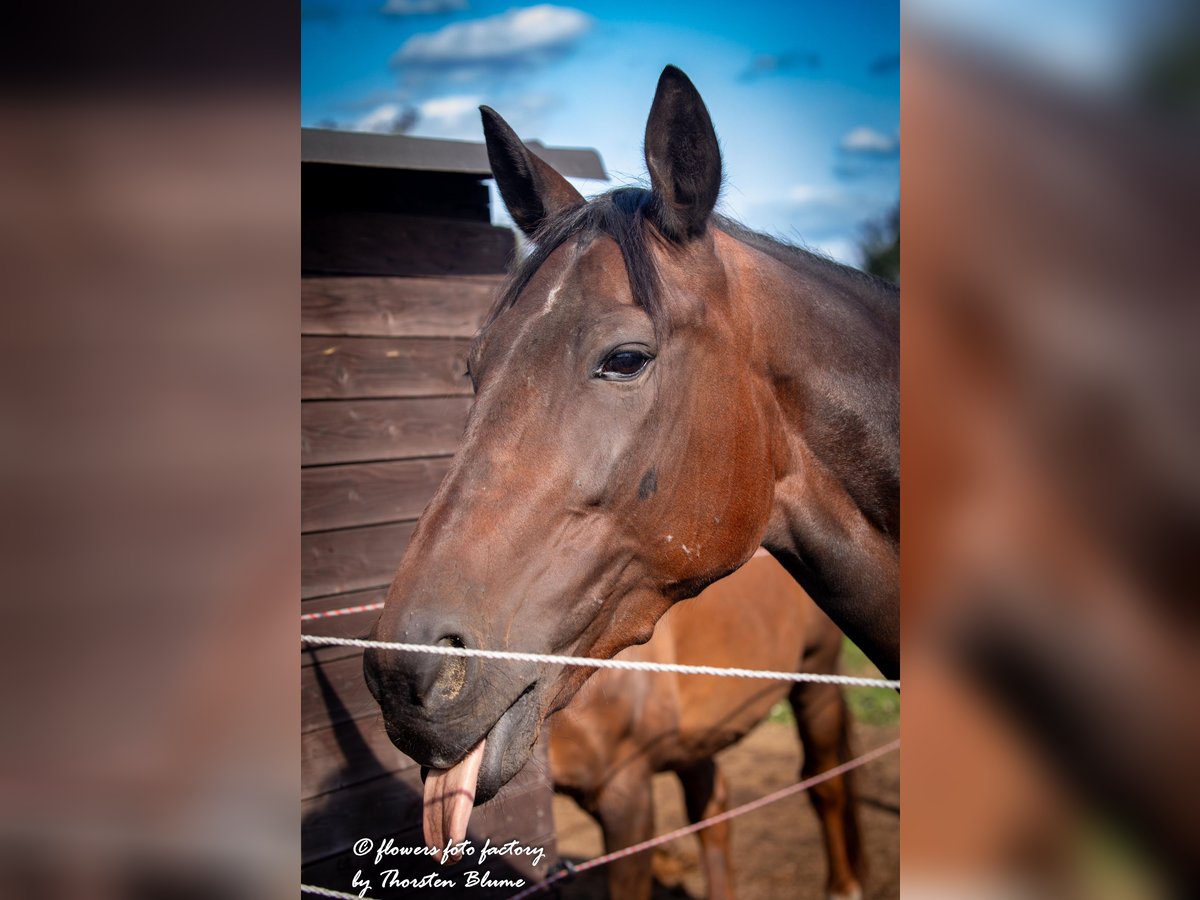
823, 723
707, 795
625, 808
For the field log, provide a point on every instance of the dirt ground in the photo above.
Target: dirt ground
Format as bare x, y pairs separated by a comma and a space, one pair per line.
777, 850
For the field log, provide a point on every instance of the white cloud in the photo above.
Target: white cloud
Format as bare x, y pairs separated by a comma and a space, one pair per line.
816, 213
518, 35
421, 7
869, 141
380, 119
455, 116
450, 112
824, 195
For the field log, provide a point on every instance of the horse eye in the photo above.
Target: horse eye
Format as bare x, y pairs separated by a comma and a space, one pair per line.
624, 364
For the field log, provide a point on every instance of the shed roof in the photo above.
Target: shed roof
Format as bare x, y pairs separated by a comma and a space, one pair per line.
396, 151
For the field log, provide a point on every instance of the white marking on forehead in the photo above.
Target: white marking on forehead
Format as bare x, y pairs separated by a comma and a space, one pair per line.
503, 365
552, 299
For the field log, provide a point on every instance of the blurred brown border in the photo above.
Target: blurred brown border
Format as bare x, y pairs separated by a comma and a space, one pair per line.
149, 249
1051, 495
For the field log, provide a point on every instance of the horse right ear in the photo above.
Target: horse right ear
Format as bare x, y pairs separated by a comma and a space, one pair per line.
532, 190
683, 156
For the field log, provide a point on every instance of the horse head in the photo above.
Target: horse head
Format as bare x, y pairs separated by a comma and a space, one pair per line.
621, 454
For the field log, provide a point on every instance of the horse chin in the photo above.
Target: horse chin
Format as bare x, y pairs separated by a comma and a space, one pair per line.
509, 746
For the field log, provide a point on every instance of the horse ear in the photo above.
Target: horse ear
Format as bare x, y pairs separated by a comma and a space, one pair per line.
682, 155
532, 190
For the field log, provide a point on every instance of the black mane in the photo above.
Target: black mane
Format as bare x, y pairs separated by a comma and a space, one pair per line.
625, 214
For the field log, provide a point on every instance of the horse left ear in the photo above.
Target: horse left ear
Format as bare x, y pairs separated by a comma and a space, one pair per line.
532, 190
683, 156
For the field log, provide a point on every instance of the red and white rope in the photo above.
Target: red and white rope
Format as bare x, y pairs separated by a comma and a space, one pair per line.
589, 662
345, 611
753, 805
715, 820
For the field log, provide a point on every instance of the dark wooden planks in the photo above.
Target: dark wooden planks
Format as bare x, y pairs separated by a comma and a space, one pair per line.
356, 367
333, 562
338, 431
444, 195
396, 307
332, 822
368, 493
334, 692
405, 266
349, 625
345, 754
379, 243
312, 654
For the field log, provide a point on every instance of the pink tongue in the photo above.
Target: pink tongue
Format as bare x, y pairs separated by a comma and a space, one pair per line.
449, 797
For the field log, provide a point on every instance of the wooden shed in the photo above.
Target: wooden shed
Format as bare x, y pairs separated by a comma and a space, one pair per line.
400, 262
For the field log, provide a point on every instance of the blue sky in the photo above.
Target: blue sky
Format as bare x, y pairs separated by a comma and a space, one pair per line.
805, 97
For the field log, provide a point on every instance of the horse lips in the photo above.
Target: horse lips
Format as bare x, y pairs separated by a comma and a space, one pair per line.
449, 798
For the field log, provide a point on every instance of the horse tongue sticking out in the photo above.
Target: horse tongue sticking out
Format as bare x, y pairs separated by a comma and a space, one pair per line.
449, 797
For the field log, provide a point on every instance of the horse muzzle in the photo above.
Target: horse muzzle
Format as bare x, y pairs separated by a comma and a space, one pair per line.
437, 708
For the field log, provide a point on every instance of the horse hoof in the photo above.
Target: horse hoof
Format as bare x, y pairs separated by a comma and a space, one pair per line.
855, 893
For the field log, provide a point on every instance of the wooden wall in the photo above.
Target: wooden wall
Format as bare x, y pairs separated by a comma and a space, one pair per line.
395, 285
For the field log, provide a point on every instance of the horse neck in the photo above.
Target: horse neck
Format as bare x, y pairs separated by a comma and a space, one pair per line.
827, 355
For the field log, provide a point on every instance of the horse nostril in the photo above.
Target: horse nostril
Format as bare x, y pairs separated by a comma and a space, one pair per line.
453, 674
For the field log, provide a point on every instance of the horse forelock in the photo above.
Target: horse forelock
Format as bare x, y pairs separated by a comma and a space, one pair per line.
623, 215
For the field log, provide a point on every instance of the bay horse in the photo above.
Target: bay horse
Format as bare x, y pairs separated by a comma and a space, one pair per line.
624, 726
658, 391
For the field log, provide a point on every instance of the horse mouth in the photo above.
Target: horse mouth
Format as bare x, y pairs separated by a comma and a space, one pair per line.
452, 792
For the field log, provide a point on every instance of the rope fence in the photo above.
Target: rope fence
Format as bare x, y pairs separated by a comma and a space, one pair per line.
344, 611
753, 805
634, 665
590, 662
742, 810
327, 892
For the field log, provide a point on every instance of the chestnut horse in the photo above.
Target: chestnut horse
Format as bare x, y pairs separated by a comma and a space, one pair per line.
658, 391
624, 726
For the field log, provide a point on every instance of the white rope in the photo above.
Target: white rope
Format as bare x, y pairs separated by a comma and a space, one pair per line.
326, 892
588, 662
